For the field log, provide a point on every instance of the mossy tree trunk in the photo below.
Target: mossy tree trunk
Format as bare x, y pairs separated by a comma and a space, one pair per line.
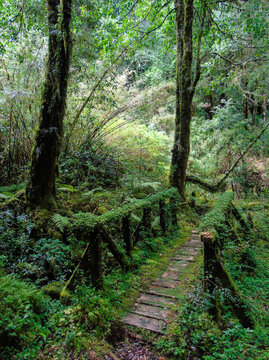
40, 191
185, 99
174, 173
184, 91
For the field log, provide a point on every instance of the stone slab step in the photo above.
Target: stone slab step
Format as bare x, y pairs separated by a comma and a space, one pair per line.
150, 311
195, 243
170, 284
173, 275
183, 258
145, 323
178, 262
151, 299
163, 292
189, 251
178, 266
193, 246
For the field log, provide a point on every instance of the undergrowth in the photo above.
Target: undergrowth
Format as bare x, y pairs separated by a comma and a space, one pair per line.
194, 334
85, 322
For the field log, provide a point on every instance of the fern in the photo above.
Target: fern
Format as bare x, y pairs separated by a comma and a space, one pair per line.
61, 222
7, 196
67, 188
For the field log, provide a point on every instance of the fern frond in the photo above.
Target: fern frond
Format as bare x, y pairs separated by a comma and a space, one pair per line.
61, 222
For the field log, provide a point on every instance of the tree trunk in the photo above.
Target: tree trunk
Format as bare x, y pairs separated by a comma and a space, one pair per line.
184, 92
40, 191
174, 175
185, 98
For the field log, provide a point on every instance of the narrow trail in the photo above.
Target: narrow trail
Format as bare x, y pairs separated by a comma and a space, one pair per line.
155, 306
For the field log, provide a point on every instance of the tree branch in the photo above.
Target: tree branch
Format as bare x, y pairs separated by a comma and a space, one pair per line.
219, 185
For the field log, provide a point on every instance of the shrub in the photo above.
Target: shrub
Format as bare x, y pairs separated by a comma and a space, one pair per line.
23, 309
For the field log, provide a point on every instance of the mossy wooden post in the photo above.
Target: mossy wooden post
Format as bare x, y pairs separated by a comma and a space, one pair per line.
95, 259
209, 269
162, 216
126, 232
115, 250
217, 277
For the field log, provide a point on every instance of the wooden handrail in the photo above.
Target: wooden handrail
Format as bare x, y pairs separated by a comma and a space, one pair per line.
216, 274
93, 228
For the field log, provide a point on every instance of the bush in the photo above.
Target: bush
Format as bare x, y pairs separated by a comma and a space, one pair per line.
196, 336
23, 309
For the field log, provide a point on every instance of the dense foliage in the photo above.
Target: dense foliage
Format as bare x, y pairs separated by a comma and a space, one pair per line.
115, 160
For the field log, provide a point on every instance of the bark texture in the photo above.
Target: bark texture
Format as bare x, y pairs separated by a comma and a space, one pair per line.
179, 9
184, 91
40, 191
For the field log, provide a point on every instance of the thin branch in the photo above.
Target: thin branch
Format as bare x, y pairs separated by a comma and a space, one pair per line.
220, 183
158, 26
73, 124
128, 12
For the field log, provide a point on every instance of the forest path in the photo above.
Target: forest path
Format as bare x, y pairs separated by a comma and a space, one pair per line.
154, 307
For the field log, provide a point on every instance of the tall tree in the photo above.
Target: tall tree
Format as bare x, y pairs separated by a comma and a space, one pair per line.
41, 189
185, 90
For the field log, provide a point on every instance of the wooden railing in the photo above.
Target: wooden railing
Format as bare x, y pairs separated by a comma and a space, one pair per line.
96, 231
217, 226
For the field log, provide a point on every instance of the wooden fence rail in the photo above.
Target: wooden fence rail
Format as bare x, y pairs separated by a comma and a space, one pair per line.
216, 227
94, 230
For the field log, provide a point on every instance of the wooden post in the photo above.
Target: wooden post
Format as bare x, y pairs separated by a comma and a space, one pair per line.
127, 235
209, 265
162, 217
217, 277
115, 250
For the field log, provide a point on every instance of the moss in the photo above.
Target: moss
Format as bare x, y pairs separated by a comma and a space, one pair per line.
54, 290
88, 221
101, 210
217, 215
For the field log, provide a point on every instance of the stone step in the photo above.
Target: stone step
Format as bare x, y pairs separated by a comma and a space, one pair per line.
163, 292
178, 266
152, 299
194, 243
152, 311
145, 323
183, 258
170, 284
193, 246
189, 251
177, 262
173, 275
